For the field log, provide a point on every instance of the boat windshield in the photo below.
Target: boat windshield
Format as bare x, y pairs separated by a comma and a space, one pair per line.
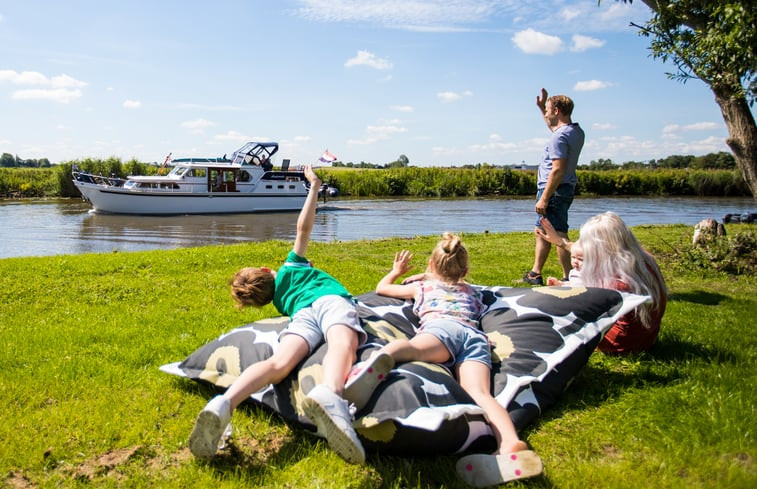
254, 153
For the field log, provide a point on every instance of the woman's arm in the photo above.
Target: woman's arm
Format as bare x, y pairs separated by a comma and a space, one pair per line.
548, 233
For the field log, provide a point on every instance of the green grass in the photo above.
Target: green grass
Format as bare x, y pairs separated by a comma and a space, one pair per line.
84, 405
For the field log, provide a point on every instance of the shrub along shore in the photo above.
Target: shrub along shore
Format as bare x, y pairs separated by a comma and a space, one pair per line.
483, 180
86, 406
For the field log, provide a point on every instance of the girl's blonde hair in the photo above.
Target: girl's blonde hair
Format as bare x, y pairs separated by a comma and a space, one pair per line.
450, 258
611, 254
252, 287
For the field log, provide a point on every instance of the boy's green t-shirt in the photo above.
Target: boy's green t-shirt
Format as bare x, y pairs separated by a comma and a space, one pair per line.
298, 284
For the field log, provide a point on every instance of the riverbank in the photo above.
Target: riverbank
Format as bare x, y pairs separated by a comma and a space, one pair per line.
482, 180
84, 335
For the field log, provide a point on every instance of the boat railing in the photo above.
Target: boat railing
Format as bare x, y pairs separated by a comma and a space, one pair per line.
86, 177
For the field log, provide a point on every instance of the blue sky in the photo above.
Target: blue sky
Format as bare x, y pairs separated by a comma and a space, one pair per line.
446, 82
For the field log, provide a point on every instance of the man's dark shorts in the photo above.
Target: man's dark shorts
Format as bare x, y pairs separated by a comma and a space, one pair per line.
557, 207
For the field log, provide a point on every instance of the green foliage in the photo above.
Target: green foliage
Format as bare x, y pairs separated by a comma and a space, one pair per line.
735, 255
713, 41
489, 180
86, 406
663, 177
28, 182
7, 160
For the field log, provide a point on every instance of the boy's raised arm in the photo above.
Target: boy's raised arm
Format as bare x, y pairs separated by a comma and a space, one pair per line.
307, 214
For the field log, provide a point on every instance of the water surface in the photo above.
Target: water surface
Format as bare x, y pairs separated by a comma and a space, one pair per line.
66, 226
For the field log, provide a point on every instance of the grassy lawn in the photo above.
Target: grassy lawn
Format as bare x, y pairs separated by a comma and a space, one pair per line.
84, 404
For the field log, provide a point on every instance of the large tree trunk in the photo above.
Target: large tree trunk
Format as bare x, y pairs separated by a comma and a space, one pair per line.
742, 132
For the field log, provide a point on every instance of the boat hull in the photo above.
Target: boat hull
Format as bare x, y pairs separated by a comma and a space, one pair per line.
116, 200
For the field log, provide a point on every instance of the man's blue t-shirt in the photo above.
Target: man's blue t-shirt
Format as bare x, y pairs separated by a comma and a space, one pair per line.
566, 142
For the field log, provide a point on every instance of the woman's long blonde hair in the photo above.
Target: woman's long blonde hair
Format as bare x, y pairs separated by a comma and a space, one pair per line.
450, 258
612, 254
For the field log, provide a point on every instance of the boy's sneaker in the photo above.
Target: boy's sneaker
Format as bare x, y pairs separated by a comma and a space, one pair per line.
331, 415
211, 424
533, 278
479, 470
365, 377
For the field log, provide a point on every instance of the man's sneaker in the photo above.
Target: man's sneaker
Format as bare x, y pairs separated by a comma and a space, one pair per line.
533, 278
331, 415
211, 424
365, 377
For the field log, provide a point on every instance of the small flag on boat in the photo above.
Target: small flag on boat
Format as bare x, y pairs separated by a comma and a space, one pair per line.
327, 157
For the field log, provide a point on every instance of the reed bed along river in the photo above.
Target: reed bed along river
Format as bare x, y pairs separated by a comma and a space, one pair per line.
66, 226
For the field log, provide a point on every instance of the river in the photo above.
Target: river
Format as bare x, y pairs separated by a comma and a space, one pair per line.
66, 226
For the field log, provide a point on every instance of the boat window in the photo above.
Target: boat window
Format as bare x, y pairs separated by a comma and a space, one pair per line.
197, 172
179, 171
244, 176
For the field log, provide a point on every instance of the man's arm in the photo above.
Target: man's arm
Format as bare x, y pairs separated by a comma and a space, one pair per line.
541, 102
553, 181
307, 214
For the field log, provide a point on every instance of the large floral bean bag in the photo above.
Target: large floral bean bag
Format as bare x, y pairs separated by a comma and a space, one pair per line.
541, 337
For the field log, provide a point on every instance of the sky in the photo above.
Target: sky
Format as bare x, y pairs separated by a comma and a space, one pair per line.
442, 82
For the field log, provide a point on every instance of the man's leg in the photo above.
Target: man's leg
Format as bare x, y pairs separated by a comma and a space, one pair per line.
540, 256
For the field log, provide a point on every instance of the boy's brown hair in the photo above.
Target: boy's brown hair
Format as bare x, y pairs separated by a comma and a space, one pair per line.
252, 287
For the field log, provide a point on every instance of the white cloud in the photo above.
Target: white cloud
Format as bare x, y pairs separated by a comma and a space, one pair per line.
37, 78
569, 13
366, 58
236, 136
453, 96
701, 126
60, 95
132, 104
197, 126
495, 143
602, 126
402, 108
375, 133
617, 10
590, 85
415, 14
534, 42
584, 43
671, 129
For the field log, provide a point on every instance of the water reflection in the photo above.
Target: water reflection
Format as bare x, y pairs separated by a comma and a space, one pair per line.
65, 226
143, 232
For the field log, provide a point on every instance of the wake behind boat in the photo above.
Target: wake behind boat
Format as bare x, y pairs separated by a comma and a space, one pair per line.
244, 183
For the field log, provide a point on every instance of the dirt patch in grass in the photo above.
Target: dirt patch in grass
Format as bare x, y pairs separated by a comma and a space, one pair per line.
104, 463
18, 481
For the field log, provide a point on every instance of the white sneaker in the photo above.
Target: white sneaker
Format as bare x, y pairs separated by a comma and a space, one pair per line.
365, 377
211, 424
331, 415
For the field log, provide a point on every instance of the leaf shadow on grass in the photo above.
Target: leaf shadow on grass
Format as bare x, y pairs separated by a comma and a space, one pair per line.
702, 297
673, 349
609, 377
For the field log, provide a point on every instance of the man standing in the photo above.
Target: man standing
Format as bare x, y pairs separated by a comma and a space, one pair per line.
556, 179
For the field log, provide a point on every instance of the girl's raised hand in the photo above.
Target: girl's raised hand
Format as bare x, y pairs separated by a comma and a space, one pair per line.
402, 262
